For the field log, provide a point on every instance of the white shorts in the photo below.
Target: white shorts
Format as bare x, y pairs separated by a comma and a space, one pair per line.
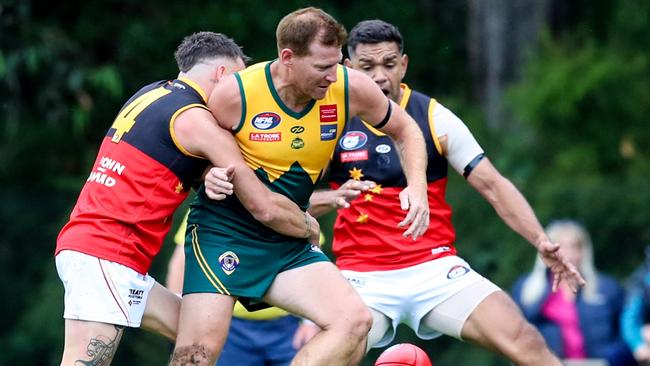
407, 295
102, 291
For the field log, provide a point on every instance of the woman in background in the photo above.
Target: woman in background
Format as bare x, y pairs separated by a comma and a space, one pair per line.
575, 325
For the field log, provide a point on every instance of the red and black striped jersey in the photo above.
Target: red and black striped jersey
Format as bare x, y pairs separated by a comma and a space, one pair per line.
366, 235
139, 178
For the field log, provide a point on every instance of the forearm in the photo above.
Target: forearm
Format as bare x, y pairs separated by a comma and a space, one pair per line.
322, 202
411, 150
287, 218
274, 210
515, 211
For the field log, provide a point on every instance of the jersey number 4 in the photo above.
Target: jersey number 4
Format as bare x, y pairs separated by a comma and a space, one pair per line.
126, 119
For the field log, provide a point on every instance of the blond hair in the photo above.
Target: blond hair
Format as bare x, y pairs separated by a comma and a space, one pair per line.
536, 284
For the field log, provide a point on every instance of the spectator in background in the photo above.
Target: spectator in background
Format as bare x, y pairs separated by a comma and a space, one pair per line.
575, 325
635, 319
268, 337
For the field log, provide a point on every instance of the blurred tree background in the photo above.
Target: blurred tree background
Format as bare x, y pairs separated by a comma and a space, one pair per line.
557, 93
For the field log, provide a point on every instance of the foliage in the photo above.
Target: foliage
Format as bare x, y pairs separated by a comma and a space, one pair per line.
584, 101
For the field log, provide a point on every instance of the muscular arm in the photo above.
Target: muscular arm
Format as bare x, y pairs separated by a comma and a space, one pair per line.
198, 133
370, 104
515, 211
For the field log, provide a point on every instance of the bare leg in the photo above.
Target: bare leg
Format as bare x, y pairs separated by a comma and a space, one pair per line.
319, 292
202, 329
161, 313
497, 324
380, 325
90, 343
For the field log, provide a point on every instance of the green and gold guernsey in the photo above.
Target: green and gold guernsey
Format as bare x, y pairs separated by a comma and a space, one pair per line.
288, 151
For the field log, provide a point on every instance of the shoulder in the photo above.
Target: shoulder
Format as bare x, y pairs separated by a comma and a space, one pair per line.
359, 82
225, 101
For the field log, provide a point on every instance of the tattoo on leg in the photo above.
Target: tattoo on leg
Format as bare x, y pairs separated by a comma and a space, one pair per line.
101, 349
195, 354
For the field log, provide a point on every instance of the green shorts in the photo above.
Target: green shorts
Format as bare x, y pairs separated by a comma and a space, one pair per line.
244, 268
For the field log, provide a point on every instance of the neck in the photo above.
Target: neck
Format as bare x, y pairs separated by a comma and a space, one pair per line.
282, 82
205, 83
400, 96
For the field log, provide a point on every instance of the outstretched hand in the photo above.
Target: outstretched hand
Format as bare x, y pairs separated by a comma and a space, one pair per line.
417, 204
562, 269
218, 182
350, 190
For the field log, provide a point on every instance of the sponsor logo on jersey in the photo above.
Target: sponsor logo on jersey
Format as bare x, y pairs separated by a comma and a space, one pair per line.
439, 250
297, 143
297, 129
265, 137
353, 140
104, 171
328, 132
266, 120
383, 149
315, 248
229, 262
177, 85
328, 113
457, 271
349, 156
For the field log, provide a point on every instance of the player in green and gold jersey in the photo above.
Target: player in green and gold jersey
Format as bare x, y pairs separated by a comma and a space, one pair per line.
287, 115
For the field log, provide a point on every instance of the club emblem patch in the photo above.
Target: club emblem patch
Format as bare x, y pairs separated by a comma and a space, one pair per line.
353, 140
297, 143
229, 262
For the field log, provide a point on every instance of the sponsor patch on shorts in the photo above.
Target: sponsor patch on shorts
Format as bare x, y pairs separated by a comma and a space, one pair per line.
457, 271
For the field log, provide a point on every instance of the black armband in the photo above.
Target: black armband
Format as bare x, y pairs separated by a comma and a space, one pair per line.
472, 164
387, 117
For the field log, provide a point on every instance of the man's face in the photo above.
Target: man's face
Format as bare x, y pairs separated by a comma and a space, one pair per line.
384, 63
315, 72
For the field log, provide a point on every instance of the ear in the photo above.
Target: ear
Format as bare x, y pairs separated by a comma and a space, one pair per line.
347, 62
219, 72
405, 64
287, 56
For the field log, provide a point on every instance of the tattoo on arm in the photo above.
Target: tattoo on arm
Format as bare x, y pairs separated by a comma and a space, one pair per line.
101, 349
308, 224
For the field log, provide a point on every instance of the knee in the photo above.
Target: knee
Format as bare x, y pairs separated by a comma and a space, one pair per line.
359, 322
529, 337
529, 342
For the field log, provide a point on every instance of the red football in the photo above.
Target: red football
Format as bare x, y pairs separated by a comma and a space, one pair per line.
403, 354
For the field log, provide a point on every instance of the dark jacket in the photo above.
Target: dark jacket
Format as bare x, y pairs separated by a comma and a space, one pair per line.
599, 322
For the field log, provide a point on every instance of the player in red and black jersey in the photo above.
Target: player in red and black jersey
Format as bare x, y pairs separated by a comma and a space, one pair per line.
423, 283
161, 142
